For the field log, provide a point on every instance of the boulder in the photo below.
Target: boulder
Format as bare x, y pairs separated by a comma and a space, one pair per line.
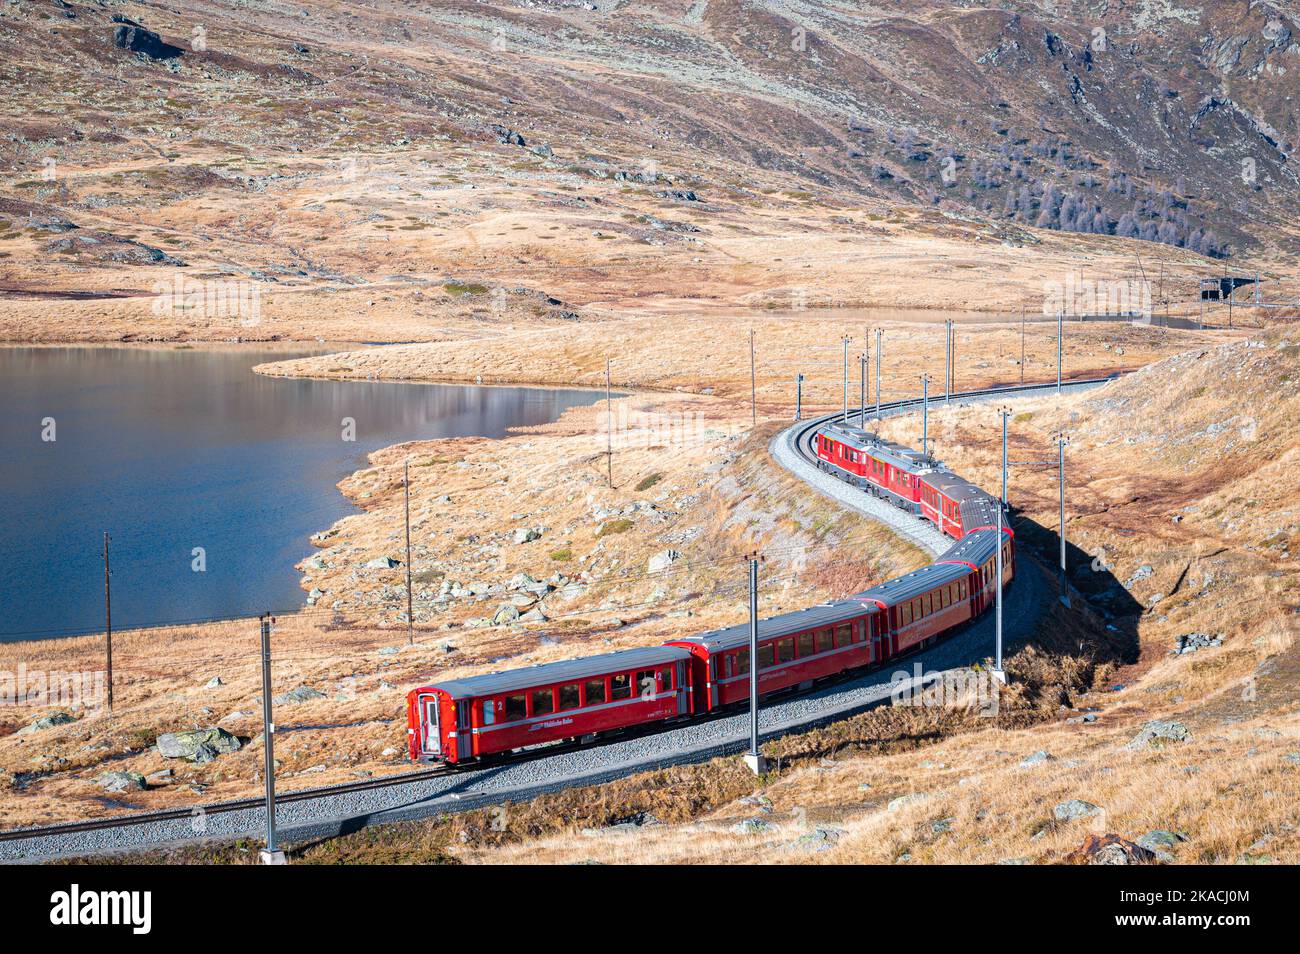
525, 535
295, 696
197, 745
902, 801
139, 40
507, 613
1160, 842
381, 563
46, 722
213, 683
1109, 850
121, 782
753, 826
663, 560
1160, 732
1075, 808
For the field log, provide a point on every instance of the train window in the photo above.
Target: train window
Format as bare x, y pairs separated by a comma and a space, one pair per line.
645, 683
785, 650
666, 679
595, 692
766, 656
489, 711
905, 614
742, 662
843, 634
824, 640
543, 701
806, 644
620, 686
516, 708
569, 697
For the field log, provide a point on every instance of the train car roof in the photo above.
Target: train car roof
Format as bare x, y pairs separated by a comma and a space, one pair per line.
977, 548
824, 614
952, 486
899, 455
893, 592
568, 670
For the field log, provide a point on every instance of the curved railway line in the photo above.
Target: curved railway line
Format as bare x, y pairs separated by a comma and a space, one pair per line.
338, 809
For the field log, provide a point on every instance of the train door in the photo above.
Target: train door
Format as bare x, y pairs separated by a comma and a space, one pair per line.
464, 737
430, 731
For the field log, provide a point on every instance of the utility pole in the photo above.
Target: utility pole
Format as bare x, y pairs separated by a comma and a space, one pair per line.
925, 415
609, 430
947, 361
1060, 348
798, 397
108, 627
998, 672
862, 388
753, 384
846, 379
271, 854
1005, 412
410, 613
1061, 441
754, 759
879, 354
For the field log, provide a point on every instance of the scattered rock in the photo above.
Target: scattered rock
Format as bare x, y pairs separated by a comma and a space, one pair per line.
1159, 842
381, 563
295, 696
197, 745
526, 535
121, 782
816, 841
1035, 758
1141, 573
46, 722
753, 826
1191, 642
1159, 732
213, 683
507, 613
1075, 808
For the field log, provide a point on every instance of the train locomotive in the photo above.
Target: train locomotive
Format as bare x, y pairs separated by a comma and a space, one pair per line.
464, 721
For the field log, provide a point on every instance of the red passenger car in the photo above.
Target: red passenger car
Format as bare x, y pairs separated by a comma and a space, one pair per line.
883, 468
794, 649
465, 719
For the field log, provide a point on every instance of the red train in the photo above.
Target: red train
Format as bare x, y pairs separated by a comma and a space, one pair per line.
464, 720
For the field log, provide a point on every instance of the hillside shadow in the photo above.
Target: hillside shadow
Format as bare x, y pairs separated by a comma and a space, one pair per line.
1091, 585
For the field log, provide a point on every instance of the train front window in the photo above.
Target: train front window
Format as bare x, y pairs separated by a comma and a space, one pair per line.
543, 701
621, 686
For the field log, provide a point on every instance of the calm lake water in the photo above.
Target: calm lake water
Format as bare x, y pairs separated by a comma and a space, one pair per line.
169, 450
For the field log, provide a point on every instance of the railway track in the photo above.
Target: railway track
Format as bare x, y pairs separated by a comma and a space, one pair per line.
425, 792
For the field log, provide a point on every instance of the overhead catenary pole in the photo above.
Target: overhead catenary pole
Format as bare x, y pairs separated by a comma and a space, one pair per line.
798, 397
1022, 344
879, 354
754, 759
947, 361
862, 387
925, 415
410, 614
846, 379
271, 854
1061, 441
108, 628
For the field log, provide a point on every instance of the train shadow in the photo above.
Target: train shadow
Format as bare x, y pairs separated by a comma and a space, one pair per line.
1090, 585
